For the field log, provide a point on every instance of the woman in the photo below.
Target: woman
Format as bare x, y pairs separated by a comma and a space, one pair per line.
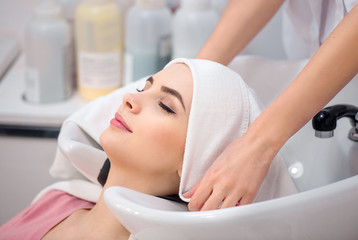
324, 31
160, 141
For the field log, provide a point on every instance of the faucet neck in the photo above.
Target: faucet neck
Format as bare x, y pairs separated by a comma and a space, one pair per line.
326, 120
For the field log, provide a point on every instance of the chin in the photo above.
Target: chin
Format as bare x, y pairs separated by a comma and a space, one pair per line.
102, 138
106, 140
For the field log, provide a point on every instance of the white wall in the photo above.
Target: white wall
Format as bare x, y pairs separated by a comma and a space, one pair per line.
24, 171
268, 43
13, 16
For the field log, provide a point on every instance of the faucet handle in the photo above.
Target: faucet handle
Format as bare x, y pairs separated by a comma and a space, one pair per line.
353, 134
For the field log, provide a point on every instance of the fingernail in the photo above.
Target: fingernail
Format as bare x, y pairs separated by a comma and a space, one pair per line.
185, 191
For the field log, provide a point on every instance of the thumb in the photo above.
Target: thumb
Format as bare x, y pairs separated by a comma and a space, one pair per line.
190, 193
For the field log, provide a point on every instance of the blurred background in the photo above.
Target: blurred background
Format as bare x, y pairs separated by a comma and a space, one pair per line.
56, 55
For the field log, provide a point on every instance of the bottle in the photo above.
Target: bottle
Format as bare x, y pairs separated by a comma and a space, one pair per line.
124, 5
48, 55
147, 38
99, 47
193, 24
69, 8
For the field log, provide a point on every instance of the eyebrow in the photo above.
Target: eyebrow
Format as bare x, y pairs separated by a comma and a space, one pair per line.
169, 91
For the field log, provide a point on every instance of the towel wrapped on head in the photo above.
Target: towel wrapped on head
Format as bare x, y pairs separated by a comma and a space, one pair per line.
222, 108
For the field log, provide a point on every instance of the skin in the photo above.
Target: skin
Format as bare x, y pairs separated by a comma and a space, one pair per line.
148, 158
238, 172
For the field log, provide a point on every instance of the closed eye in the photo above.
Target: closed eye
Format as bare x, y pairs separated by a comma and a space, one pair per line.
166, 108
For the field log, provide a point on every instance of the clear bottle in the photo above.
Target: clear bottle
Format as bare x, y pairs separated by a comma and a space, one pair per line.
48, 55
99, 47
69, 8
147, 38
193, 24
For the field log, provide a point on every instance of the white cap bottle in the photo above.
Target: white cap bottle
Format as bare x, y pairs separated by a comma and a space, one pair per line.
48, 55
147, 38
193, 24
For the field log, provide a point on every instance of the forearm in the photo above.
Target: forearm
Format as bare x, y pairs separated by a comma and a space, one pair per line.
239, 24
329, 70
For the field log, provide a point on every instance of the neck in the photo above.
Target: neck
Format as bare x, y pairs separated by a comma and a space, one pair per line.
104, 222
100, 223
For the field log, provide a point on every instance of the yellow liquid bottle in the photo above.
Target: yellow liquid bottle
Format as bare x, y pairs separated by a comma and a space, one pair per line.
99, 47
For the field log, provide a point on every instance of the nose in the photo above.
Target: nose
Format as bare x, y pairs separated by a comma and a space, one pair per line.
131, 103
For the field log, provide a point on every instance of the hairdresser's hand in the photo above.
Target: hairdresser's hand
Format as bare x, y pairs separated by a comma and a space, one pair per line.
234, 178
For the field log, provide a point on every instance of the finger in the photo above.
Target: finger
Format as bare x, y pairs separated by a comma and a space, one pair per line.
247, 199
214, 201
191, 192
231, 201
202, 193
196, 204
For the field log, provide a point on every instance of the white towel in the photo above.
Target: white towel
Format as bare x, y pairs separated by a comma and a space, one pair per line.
217, 91
222, 109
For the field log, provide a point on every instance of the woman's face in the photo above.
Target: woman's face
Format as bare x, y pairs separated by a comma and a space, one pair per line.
146, 138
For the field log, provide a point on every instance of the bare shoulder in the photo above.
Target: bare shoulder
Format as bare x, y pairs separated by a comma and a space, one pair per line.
67, 228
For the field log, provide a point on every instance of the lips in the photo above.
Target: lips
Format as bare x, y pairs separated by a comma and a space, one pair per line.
119, 122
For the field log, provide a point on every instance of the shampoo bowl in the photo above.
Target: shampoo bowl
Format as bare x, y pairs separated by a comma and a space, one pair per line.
324, 171
328, 212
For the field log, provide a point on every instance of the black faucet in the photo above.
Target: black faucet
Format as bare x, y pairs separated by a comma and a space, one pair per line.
325, 121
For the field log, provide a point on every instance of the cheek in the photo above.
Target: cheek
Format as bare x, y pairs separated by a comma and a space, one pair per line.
166, 137
155, 147
166, 142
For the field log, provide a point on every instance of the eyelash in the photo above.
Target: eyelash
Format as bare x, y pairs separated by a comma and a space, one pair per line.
162, 105
166, 108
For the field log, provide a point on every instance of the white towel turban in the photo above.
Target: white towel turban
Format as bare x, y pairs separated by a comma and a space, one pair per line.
222, 109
